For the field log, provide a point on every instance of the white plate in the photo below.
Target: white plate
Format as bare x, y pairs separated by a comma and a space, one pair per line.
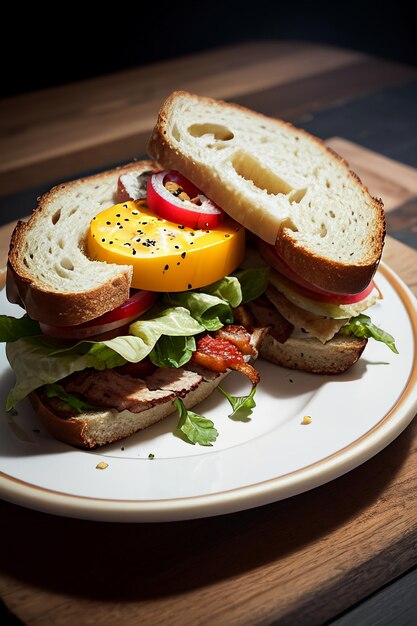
270, 457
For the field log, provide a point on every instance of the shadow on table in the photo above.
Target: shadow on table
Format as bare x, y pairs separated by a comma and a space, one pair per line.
130, 562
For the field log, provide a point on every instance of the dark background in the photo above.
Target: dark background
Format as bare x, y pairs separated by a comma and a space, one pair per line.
71, 42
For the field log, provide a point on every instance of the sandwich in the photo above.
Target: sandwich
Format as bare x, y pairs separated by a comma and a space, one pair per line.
146, 285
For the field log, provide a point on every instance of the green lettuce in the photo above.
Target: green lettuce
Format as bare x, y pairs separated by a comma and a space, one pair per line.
195, 428
253, 283
12, 328
172, 351
36, 362
227, 289
210, 311
362, 326
72, 401
242, 405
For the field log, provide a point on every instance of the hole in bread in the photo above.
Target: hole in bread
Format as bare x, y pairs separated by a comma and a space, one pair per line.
61, 271
61, 244
56, 216
216, 146
323, 230
328, 185
297, 195
176, 133
219, 132
72, 212
264, 139
67, 263
332, 213
250, 169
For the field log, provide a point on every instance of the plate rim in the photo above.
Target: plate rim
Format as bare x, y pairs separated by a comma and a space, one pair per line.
299, 481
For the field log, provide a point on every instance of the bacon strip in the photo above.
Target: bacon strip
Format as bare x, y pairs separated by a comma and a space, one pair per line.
218, 354
238, 336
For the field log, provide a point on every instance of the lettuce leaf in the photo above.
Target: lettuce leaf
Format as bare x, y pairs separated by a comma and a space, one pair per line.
210, 311
37, 362
253, 282
12, 328
195, 428
362, 326
73, 402
242, 405
172, 351
227, 289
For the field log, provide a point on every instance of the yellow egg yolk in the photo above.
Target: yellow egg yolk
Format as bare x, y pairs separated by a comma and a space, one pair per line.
165, 256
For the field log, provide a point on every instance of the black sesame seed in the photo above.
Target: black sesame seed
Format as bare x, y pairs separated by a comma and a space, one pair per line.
178, 263
183, 255
108, 223
182, 227
110, 242
103, 240
126, 219
190, 286
118, 214
166, 267
133, 251
177, 247
227, 235
94, 218
144, 223
127, 244
125, 207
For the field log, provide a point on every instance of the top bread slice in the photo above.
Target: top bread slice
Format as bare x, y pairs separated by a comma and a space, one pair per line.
48, 270
281, 183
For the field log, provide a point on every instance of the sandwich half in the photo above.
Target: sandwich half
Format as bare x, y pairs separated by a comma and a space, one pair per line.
315, 224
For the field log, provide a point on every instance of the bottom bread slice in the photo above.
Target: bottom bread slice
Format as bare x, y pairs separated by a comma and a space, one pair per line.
311, 355
98, 428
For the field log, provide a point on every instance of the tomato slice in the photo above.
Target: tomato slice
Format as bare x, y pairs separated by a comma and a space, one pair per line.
305, 288
136, 305
201, 213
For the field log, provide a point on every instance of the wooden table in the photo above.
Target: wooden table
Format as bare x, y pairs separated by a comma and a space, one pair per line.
304, 560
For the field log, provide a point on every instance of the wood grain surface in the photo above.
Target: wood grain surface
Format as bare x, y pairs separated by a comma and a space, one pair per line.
304, 560
60, 131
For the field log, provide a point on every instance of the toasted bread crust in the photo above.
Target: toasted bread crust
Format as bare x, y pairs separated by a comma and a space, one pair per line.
321, 271
326, 273
57, 308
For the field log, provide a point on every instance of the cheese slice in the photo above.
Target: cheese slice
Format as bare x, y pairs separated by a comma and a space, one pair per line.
164, 256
